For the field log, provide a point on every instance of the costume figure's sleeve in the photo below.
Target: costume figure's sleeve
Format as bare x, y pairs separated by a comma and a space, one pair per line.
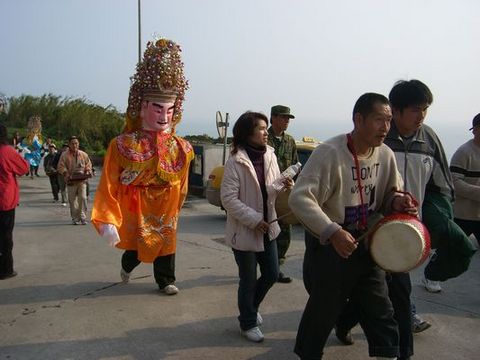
106, 207
183, 189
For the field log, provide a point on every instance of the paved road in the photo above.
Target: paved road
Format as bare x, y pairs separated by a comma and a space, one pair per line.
67, 302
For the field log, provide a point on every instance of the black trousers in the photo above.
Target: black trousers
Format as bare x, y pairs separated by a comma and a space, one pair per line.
469, 227
283, 240
7, 221
330, 280
54, 185
399, 290
163, 267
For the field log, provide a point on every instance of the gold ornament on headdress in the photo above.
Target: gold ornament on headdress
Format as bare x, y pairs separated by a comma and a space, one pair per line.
159, 77
34, 128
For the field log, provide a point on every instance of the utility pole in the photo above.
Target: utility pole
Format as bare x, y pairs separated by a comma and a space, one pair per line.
139, 34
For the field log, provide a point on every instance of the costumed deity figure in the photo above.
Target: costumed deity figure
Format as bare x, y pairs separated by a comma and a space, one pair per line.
145, 173
31, 145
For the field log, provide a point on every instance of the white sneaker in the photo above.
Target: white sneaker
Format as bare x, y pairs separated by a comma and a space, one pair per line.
259, 319
64, 204
432, 286
170, 290
254, 334
125, 276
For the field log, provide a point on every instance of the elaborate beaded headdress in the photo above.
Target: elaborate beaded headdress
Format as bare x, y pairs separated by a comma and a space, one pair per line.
34, 129
159, 77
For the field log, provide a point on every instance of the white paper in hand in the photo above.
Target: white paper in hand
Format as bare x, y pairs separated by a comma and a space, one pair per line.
110, 233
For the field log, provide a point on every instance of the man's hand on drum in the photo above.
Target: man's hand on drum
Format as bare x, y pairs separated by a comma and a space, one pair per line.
344, 243
404, 204
262, 226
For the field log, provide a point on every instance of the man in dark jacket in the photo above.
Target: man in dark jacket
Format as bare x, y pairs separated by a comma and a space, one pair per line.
286, 152
51, 170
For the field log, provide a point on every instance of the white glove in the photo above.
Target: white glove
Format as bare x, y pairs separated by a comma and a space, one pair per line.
110, 233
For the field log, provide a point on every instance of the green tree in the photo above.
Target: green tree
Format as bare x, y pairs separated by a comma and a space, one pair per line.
63, 117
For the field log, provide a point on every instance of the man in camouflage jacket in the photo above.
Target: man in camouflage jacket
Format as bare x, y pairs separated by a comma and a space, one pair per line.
286, 152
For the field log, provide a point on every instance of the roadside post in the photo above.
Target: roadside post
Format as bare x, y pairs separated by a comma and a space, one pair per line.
222, 127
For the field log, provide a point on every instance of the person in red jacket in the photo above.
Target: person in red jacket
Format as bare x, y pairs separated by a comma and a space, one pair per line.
11, 165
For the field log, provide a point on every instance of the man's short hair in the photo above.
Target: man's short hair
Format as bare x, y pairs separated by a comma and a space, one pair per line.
73, 137
407, 93
366, 102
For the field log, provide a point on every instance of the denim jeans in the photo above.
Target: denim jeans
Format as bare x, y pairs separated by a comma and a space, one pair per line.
251, 291
283, 240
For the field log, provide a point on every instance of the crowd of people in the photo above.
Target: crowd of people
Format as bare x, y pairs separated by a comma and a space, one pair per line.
390, 163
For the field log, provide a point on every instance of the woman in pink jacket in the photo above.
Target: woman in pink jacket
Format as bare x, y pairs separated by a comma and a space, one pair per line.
11, 166
248, 197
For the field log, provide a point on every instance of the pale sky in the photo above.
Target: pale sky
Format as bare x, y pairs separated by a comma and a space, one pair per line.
315, 56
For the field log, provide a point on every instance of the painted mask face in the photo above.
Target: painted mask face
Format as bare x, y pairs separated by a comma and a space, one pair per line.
157, 116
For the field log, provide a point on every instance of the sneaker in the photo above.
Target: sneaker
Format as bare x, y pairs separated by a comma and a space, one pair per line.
419, 325
74, 222
259, 319
283, 279
8, 276
344, 336
83, 222
170, 289
125, 276
254, 334
432, 286
64, 204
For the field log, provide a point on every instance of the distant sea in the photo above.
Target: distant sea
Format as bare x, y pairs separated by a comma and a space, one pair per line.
451, 136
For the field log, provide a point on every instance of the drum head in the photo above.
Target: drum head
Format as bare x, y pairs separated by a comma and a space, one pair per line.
397, 246
282, 208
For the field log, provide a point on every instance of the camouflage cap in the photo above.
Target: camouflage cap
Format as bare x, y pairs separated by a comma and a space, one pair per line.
282, 111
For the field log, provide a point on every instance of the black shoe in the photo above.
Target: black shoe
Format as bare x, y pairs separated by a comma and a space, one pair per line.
8, 276
284, 279
345, 337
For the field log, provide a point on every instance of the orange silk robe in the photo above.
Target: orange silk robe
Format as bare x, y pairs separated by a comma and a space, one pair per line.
143, 186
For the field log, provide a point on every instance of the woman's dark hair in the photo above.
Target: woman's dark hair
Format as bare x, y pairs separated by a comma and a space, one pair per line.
409, 93
3, 135
366, 102
244, 127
